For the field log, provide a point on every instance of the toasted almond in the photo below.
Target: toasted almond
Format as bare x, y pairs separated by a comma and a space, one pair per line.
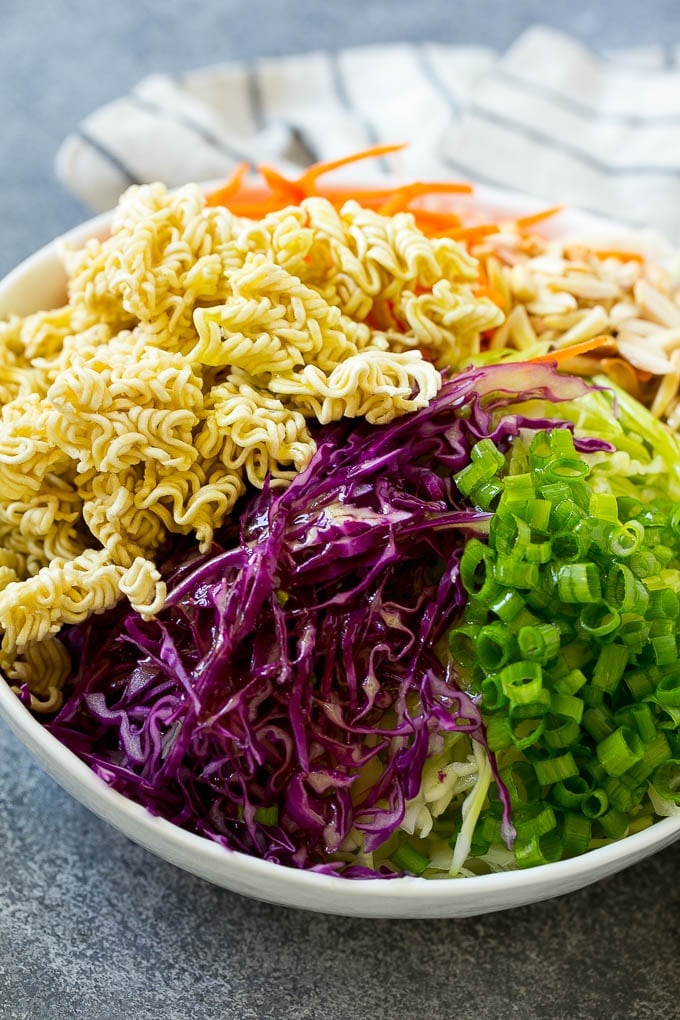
589, 287
551, 265
552, 303
621, 311
521, 329
639, 327
523, 285
594, 322
566, 320
626, 274
623, 374
656, 305
498, 281
500, 336
668, 389
673, 414
644, 356
667, 339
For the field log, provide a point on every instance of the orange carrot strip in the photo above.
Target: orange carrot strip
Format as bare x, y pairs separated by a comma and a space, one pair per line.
615, 253
487, 291
570, 352
474, 233
528, 221
254, 210
437, 217
308, 178
403, 196
230, 186
278, 183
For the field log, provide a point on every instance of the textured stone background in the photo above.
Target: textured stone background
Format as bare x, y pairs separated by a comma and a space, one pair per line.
91, 926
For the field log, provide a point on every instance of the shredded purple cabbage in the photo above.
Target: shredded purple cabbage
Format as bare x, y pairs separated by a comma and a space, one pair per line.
305, 644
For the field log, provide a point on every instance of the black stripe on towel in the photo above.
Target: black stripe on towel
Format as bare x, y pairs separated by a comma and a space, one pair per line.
342, 95
255, 97
198, 129
582, 109
424, 62
548, 142
115, 161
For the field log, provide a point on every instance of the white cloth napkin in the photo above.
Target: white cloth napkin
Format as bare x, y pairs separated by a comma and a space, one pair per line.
548, 117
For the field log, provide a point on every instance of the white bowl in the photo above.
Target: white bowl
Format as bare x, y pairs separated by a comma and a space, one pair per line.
39, 283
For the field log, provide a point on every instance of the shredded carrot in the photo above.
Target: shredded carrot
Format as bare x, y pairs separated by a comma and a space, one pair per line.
309, 177
403, 196
252, 209
474, 233
230, 187
571, 352
615, 253
293, 190
523, 222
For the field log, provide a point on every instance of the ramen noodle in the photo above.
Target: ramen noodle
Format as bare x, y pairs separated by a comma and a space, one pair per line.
195, 347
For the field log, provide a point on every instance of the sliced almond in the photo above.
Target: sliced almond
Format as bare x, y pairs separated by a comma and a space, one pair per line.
589, 287
666, 392
621, 311
623, 374
656, 305
523, 285
565, 321
498, 281
667, 339
594, 322
552, 303
644, 356
521, 329
639, 327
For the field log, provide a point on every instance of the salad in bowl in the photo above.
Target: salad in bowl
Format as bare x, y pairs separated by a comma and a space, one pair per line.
341, 538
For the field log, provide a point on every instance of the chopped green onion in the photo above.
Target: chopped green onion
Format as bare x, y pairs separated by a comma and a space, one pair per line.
599, 619
499, 735
610, 667
530, 822
515, 573
571, 682
476, 567
598, 722
407, 858
493, 697
566, 705
540, 643
666, 780
665, 649
561, 732
569, 793
604, 506
495, 646
579, 582
538, 850
619, 751
462, 644
507, 604
595, 804
576, 832
667, 692
624, 541
554, 770
663, 605
614, 823
522, 682
267, 815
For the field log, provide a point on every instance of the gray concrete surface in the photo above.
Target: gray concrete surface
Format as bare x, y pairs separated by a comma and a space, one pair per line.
91, 926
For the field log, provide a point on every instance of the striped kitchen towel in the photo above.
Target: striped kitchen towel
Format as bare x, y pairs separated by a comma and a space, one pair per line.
548, 117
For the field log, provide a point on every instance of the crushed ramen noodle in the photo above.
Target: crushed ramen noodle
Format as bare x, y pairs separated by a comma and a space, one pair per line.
194, 348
